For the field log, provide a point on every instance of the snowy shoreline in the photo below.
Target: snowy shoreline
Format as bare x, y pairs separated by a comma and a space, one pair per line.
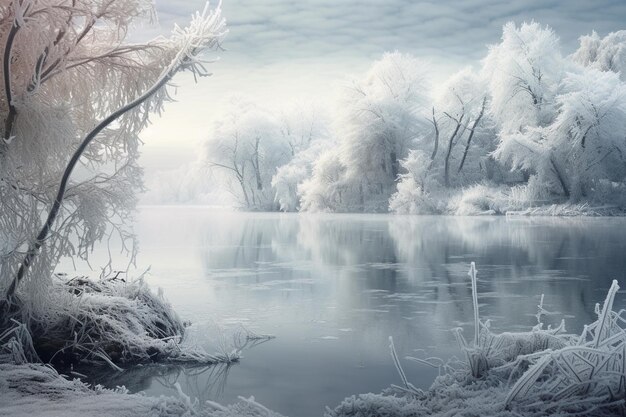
38, 390
543, 371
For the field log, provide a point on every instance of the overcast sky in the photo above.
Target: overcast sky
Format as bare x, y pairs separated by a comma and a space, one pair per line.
280, 51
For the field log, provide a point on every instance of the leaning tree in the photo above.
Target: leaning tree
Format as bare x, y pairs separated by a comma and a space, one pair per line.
74, 96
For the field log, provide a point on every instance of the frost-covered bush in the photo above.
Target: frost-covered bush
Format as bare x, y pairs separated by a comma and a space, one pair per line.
325, 190
412, 195
482, 199
604, 54
412, 199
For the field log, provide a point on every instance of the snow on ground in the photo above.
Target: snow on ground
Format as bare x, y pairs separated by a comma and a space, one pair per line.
36, 390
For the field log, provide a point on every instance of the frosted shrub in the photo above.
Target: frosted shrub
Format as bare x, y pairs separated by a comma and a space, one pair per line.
412, 196
481, 199
325, 190
412, 199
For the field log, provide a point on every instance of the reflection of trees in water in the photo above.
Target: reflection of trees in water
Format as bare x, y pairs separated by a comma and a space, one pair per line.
202, 382
518, 256
345, 240
206, 383
238, 242
351, 257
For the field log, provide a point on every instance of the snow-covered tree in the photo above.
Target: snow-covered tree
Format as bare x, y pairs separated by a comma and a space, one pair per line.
74, 96
454, 152
306, 129
588, 137
380, 116
289, 177
604, 54
571, 121
245, 148
326, 190
462, 136
302, 124
523, 73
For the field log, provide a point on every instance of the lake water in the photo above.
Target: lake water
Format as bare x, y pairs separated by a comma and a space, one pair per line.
333, 288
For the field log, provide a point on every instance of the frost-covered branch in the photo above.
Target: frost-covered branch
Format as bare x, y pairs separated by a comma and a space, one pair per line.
205, 31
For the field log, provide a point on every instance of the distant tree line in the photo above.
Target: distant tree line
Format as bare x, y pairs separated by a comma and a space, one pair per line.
529, 127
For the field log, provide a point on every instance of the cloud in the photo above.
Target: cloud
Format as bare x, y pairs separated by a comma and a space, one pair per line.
271, 30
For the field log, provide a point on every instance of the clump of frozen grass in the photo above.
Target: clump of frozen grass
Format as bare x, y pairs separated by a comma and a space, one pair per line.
490, 350
535, 373
16, 345
587, 374
110, 321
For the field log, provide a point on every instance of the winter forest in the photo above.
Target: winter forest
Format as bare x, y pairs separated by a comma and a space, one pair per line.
402, 208
530, 128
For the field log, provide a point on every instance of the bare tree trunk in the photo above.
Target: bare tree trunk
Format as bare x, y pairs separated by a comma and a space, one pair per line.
54, 210
245, 193
6, 68
361, 197
395, 169
450, 146
471, 135
241, 179
436, 147
255, 164
253, 197
559, 176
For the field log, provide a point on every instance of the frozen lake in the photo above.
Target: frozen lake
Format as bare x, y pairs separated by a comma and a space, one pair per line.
333, 288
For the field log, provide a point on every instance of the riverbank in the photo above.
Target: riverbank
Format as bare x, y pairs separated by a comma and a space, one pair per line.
543, 371
36, 390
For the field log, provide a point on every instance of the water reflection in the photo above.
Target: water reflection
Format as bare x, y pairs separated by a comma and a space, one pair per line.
332, 288
201, 382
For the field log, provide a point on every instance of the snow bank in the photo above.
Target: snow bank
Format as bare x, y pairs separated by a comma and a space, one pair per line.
37, 390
